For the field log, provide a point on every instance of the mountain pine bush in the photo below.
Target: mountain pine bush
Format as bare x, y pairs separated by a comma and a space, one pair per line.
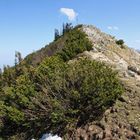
57, 93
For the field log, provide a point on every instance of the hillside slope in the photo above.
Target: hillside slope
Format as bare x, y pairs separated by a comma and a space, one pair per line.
82, 86
122, 120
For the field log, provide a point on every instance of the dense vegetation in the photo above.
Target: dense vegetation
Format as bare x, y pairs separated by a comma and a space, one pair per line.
58, 94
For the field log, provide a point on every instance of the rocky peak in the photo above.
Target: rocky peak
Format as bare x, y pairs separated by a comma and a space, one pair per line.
98, 38
122, 120
105, 48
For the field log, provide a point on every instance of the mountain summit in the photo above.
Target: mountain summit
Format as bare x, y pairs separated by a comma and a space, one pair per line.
106, 48
122, 120
85, 85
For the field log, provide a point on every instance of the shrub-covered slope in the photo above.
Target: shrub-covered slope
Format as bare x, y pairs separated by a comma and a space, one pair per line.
54, 90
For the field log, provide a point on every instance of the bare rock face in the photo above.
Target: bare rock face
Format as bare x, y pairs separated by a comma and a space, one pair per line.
125, 60
122, 120
98, 38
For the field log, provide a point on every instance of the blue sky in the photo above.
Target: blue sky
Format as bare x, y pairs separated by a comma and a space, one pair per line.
28, 25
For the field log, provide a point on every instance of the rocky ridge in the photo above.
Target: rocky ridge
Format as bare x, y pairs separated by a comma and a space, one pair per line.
122, 121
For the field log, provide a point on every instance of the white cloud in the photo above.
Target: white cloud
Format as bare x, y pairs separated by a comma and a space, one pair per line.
70, 13
113, 28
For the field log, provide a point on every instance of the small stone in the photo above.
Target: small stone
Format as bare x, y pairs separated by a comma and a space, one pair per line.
127, 113
131, 73
130, 134
122, 99
113, 110
108, 132
100, 135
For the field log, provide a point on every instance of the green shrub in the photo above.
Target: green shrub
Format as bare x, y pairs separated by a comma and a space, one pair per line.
58, 93
120, 42
81, 90
15, 115
76, 43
